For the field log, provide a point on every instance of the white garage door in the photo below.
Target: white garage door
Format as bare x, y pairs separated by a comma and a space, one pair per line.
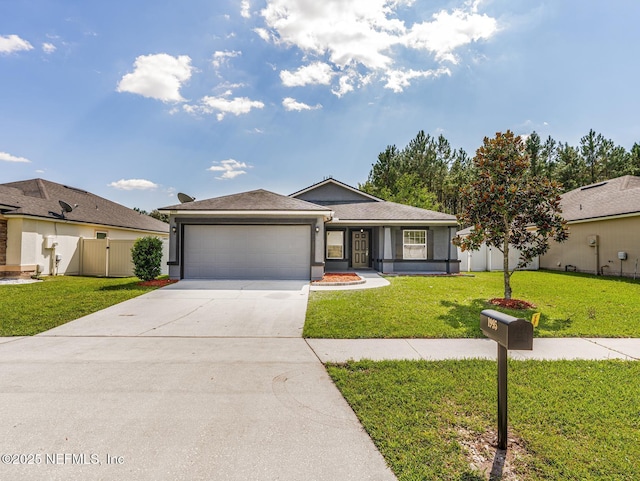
247, 252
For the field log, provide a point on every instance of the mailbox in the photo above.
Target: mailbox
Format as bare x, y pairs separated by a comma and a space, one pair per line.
508, 331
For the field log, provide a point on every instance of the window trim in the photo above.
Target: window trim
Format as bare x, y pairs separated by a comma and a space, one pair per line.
328, 257
405, 244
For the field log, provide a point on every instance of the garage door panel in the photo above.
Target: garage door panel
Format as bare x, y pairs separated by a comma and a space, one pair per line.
247, 252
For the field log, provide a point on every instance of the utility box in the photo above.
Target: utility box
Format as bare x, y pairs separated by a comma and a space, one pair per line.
622, 256
50, 242
508, 331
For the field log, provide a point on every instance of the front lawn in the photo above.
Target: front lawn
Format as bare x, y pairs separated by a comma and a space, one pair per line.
572, 305
568, 420
28, 309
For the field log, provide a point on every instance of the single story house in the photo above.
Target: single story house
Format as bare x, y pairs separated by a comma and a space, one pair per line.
329, 226
604, 229
43, 225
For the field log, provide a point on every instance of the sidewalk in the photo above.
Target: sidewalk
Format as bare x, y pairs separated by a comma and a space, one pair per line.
342, 350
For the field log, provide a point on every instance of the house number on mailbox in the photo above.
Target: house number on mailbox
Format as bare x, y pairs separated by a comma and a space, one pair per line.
492, 324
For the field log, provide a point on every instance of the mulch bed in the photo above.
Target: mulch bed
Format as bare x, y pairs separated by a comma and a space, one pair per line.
511, 303
157, 282
338, 277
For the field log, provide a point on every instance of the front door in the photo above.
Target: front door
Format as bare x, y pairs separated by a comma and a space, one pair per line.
360, 249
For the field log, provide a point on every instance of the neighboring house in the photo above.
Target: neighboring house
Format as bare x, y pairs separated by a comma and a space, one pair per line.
604, 229
327, 226
489, 258
38, 235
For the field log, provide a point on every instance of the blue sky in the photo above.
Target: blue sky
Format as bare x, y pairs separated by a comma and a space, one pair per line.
136, 101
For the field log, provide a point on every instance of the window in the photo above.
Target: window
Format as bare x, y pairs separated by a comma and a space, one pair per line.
101, 235
335, 244
414, 244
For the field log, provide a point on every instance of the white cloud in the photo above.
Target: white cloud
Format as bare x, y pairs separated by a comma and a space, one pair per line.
48, 47
13, 43
133, 184
318, 73
223, 105
230, 168
345, 86
264, 34
12, 158
159, 76
365, 37
220, 58
292, 104
245, 9
448, 31
397, 80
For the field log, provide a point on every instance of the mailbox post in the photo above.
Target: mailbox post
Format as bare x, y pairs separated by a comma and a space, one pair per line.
510, 333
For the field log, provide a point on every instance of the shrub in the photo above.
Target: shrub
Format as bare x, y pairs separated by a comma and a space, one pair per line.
146, 255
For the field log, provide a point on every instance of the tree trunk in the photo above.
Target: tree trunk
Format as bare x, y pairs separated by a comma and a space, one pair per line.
505, 269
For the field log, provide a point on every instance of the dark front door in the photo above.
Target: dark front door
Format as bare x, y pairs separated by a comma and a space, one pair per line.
359, 249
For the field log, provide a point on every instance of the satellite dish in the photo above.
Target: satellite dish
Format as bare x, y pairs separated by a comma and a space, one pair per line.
65, 207
185, 198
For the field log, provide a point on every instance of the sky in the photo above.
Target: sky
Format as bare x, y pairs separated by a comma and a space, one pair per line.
136, 101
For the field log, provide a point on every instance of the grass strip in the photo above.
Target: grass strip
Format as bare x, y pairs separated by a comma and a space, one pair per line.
572, 305
568, 420
28, 309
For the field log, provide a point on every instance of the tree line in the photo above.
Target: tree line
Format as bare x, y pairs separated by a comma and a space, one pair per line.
431, 174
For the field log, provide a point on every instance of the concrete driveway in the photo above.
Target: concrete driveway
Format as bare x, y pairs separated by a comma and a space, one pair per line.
196, 381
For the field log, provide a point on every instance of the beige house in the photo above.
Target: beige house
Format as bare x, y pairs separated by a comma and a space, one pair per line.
604, 229
52, 229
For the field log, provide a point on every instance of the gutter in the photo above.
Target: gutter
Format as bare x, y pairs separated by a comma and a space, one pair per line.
603, 217
80, 222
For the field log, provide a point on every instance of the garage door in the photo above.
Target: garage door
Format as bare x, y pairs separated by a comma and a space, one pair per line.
247, 252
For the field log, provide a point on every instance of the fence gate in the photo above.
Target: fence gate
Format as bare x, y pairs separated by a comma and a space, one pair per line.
106, 258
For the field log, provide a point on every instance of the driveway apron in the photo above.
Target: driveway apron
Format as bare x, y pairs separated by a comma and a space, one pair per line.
201, 380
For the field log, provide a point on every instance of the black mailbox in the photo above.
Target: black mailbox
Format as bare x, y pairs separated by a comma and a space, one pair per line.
508, 331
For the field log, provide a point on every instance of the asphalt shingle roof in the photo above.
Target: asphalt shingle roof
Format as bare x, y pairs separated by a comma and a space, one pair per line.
39, 198
384, 210
253, 200
617, 196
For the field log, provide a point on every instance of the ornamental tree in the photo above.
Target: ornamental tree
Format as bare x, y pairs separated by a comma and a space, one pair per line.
508, 207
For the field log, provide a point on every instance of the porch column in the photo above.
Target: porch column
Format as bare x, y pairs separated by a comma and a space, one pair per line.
387, 244
387, 258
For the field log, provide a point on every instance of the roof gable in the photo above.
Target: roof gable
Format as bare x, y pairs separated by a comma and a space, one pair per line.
613, 197
255, 200
331, 191
39, 198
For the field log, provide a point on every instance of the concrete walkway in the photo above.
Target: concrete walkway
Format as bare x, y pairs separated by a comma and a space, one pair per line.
342, 350
195, 381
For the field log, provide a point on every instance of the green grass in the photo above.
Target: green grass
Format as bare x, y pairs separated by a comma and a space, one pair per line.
28, 309
574, 420
571, 305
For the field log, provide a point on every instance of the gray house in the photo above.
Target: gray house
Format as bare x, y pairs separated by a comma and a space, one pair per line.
329, 226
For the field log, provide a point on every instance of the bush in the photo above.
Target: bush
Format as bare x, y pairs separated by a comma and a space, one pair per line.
146, 255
